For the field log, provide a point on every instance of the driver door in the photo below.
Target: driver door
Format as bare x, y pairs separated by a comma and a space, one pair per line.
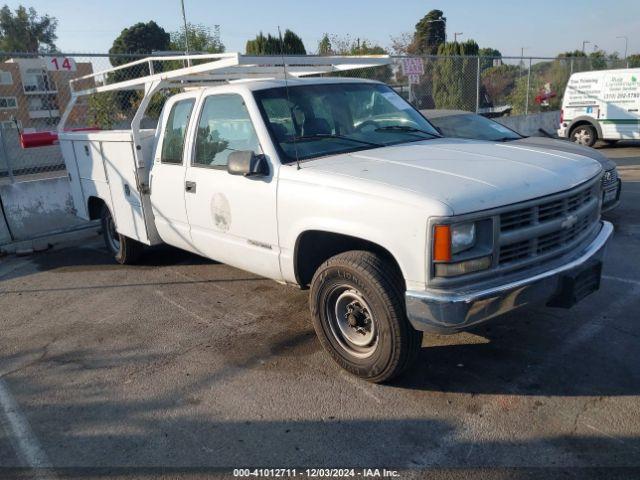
232, 218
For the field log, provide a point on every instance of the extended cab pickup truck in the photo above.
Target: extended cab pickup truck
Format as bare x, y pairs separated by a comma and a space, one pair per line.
341, 186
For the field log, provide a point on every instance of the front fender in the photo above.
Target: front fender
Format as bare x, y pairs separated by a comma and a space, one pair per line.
398, 227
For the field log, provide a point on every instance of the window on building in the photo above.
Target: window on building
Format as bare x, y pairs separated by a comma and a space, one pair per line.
6, 124
8, 102
6, 78
38, 103
38, 80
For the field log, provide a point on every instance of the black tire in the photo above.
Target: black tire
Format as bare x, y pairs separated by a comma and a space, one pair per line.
125, 250
584, 135
374, 284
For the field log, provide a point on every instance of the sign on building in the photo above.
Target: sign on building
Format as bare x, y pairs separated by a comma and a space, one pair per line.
58, 64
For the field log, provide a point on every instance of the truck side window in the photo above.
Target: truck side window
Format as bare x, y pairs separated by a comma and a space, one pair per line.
175, 131
224, 127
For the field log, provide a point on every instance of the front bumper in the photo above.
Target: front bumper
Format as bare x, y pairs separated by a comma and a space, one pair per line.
450, 312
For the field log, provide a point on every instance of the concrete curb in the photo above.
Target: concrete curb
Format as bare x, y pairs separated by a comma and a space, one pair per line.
39, 244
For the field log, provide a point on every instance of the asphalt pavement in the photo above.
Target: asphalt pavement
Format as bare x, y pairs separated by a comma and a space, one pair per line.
183, 367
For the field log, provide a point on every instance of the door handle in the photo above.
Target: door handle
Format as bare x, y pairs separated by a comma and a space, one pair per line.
633, 109
190, 187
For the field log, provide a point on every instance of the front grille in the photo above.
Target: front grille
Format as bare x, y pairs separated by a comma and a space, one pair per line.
548, 226
610, 178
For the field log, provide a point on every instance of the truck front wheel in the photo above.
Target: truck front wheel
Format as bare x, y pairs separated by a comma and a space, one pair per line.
358, 311
584, 135
124, 249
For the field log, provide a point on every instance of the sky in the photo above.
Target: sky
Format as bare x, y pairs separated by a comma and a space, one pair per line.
543, 27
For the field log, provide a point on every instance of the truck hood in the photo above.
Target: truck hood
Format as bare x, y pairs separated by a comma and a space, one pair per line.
466, 175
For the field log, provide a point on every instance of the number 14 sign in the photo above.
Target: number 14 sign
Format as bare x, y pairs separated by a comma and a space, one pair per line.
64, 64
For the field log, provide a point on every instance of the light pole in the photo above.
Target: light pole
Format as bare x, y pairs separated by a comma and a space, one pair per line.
626, 44
455, 35
584, 43
186, 32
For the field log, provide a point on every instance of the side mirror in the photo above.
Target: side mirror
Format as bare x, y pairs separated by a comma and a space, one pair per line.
247, 164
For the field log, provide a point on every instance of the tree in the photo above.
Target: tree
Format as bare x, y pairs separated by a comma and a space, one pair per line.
488, 55
141, 38
336, 45
498, 82
324, 45
26, 31
201, 39
453, 74
430, 34
572, 54
291, 44
634, 60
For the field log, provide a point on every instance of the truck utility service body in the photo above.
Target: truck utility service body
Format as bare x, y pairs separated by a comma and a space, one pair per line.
397, 231
601, 105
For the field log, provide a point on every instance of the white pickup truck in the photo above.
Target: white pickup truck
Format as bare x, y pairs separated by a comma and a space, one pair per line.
341, 186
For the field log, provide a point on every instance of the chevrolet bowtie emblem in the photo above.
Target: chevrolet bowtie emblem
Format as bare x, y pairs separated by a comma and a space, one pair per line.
569, 222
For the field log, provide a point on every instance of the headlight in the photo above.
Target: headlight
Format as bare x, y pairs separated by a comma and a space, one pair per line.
463, 237
462, 248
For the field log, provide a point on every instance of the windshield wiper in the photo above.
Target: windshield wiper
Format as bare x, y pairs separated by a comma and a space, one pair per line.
319, 136
407, 129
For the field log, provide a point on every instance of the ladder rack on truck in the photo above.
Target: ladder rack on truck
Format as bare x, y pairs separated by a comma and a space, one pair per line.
114, 165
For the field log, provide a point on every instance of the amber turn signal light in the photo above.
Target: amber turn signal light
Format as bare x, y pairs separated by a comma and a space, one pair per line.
442, 243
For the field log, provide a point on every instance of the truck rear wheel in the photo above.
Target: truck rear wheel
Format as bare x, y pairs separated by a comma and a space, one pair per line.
124, 249
358, 310
584, 135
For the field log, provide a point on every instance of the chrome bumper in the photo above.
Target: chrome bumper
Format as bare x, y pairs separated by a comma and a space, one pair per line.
450, 312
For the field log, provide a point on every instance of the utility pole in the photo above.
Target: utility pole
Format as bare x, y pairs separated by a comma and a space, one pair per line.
522, 49
584, 43
455, 35
186, 32
626, 44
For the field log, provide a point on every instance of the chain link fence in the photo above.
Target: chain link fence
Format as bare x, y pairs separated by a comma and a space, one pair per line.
34, 92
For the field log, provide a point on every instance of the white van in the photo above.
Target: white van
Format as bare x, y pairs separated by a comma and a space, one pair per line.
601, 105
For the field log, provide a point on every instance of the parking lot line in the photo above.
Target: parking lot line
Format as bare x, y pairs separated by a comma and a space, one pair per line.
630, 281
22, 437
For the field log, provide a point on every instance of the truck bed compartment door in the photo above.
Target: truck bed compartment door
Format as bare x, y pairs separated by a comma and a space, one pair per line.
126, 204
69, 155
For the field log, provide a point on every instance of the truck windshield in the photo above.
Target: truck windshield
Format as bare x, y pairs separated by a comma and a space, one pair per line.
316, 120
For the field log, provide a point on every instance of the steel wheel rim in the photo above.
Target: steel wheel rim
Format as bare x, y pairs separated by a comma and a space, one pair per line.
112, 234
351, 321
582, 136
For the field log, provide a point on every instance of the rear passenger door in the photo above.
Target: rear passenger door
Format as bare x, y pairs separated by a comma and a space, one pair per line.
168, 173
232, 218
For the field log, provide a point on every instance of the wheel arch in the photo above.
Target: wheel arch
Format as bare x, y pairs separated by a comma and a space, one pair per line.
95, 206
313, 247
585, 120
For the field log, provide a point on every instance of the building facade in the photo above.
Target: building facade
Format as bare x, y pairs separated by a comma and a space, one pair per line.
32, 95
